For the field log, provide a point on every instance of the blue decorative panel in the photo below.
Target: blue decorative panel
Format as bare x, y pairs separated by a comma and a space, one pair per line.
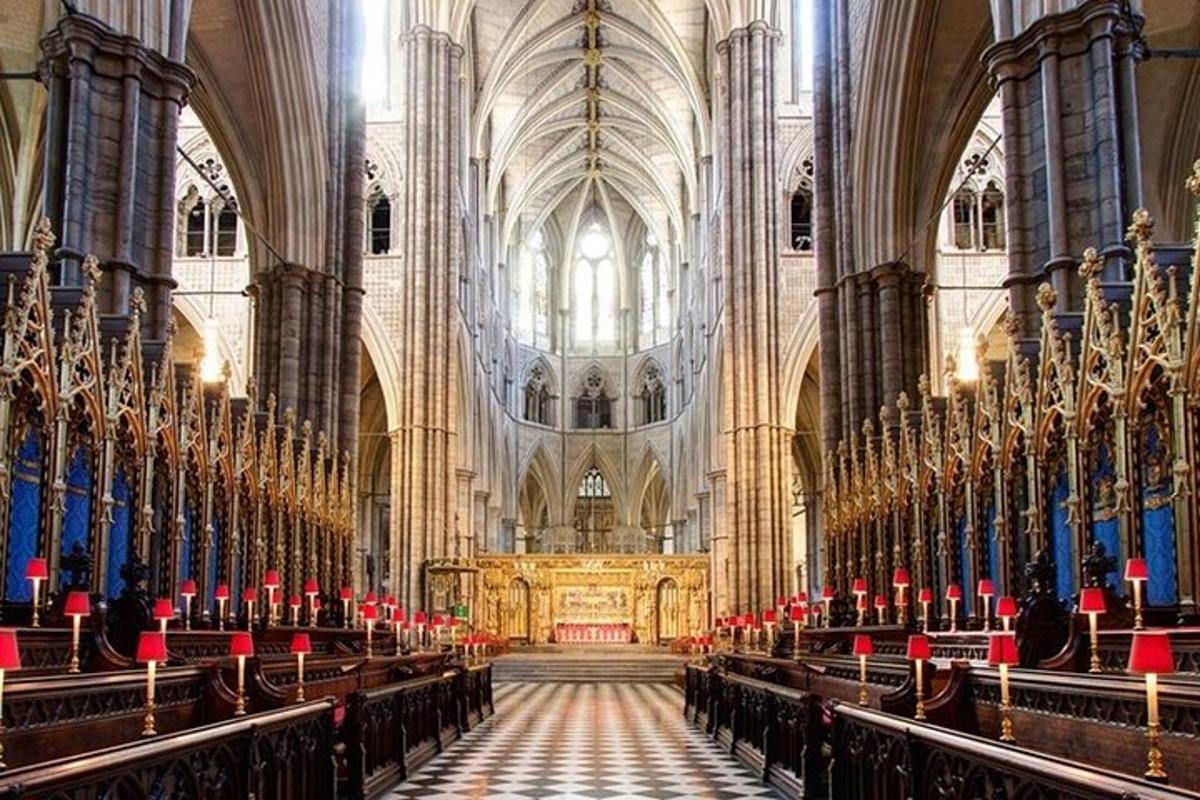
26, 515
1108, 533
993, 550
185, 548
119, 534
1060, 537
77, 512
214, 559
964, 555
1158, 537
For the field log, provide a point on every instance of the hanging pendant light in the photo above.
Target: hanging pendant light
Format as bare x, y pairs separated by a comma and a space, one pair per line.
968, 365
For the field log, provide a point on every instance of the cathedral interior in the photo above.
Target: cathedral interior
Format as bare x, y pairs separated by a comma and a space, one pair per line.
599, 398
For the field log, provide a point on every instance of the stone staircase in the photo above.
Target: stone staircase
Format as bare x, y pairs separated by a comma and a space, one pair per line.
598, 665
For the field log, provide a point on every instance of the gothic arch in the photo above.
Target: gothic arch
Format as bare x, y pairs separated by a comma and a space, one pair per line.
593, 455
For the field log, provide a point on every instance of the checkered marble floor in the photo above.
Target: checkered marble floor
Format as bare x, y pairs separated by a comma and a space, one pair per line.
584, 740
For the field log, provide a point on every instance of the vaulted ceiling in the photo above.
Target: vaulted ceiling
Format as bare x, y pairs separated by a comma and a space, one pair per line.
582, 101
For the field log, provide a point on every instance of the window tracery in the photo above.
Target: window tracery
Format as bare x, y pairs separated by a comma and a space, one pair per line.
593, 406
652, 395
538, 399
594, 310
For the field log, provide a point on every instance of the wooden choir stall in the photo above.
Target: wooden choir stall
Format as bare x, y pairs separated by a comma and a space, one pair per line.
175, 581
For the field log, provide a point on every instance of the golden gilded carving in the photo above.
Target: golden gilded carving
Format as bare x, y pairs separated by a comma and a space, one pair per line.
525, 596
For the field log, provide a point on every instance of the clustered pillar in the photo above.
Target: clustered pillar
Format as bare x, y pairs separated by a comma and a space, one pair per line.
423, 492
111, 130
757, 503
1069, 104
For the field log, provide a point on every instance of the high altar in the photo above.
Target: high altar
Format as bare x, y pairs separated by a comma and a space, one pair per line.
525, 597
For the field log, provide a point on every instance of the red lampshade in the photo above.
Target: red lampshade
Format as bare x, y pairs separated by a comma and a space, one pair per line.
36, 568
389, 601
418, 617
926, 595
188, 588
370, 613
346, 593
271, 579
453, 622
918, 647
1151, 653
294, 601
768, 616
827, 593
860, 586
301, 643
900, 577
242, 644
152, 646
1006, 607
399, 613
250, 595
880, 601
862, 645
1135, 570
986, 588
222, 591
798, 611
748, 618
164, 609
801, 598
1091, 601
370, 599
719, 622
78, 604
781, 601
1002, 649
10, 654
954, 592
437, 620
311, 586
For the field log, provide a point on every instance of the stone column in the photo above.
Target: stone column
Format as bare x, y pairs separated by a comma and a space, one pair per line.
1069, 103
111, 130
824, 234
757, 506
423, 494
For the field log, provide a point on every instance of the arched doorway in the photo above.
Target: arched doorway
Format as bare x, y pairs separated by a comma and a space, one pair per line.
518, 610
668, 610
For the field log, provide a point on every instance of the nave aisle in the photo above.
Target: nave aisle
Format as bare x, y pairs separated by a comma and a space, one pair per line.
584, 740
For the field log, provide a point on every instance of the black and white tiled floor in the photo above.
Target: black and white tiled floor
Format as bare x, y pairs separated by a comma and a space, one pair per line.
584, 740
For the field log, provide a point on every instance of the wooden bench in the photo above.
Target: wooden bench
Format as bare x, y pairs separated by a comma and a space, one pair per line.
282, 755
389, 731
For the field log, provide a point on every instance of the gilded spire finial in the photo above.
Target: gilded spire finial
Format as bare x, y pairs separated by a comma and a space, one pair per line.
1142, 226
1046, 298
1193, 181
1090, 266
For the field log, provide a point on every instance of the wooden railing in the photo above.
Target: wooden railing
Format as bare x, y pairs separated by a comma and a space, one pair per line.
389, 731
771, 728
280, 755
883, 757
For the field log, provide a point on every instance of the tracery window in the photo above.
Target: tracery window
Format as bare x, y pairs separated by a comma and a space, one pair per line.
207, 226
654, 307
593, 406
196, 233
594, 310
991, 217
964, 219
227, 230
653, 396
802, 220
593, 485
533, 293
379, 211
537, 397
